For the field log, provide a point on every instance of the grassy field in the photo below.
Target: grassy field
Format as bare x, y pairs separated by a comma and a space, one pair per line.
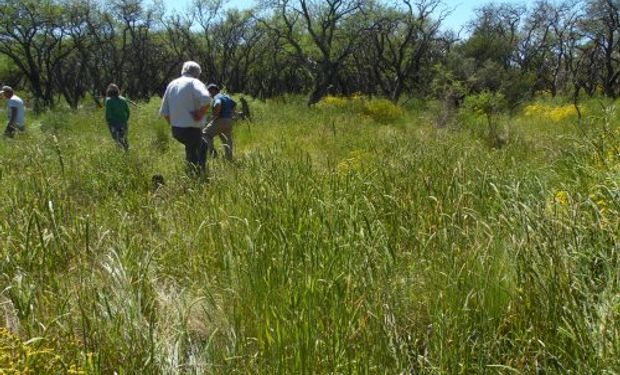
350, 238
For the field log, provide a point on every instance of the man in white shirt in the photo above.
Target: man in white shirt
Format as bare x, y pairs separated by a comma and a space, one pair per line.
16, 114
184, 106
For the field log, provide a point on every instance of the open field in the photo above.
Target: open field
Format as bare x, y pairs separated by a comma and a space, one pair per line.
336, 243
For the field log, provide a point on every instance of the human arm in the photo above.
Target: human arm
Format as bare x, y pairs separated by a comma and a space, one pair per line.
108, 110
198, 114
164, 109
127, 111
217, 110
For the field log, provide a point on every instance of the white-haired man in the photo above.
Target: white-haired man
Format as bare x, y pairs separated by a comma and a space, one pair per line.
15, 112
184, 106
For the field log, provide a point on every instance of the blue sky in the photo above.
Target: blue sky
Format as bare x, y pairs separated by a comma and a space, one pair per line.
462, 10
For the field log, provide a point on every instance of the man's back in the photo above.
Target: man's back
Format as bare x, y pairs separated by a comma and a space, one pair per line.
183, 96
227, 105
17, 103
117, 110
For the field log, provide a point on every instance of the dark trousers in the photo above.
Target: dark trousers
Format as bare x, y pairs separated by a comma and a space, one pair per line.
119, 134
195, 152
9, 132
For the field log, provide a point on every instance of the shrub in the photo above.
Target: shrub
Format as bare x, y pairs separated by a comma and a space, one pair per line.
382, 110
488, 104
330, 101
550, 112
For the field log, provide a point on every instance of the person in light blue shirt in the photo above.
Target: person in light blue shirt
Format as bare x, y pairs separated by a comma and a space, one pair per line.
184, 106
222, 111
16, 113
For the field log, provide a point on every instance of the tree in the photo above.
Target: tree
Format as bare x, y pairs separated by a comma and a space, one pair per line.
403, 43
494, 34
493, 46
602, 28
330, 36
35, 36
238, 37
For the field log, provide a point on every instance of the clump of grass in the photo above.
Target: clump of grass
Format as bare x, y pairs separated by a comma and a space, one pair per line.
162, 138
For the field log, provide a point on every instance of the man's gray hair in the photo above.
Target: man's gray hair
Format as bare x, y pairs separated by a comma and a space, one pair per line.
192, 68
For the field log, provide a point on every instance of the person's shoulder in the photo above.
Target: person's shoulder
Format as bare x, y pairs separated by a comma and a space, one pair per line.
15, 99
188, 79
176, 81
199, 83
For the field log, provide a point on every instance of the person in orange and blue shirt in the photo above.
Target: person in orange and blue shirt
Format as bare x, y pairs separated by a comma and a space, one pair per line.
223, 109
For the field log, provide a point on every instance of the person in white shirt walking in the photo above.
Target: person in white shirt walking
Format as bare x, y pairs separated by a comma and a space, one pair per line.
16, 113
184, 106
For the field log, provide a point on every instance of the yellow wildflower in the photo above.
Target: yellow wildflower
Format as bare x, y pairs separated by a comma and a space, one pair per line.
352, 163
549, 112
561, 197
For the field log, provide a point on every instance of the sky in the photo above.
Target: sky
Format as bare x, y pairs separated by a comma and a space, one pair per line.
462, 10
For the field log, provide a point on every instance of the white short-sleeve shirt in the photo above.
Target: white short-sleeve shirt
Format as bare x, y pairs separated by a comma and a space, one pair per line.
16, 102
183, 96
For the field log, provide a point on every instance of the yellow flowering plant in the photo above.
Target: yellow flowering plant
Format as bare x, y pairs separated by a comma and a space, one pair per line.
550, 112
380, 110
31, 357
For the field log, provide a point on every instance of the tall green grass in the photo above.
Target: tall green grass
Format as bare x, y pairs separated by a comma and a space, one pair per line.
333, 244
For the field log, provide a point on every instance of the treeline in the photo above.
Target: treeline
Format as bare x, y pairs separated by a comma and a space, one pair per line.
70, 50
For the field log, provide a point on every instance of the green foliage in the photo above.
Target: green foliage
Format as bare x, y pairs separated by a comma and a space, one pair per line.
446, 84
333, 244
486, 45
490, 105
486, 103
9, 74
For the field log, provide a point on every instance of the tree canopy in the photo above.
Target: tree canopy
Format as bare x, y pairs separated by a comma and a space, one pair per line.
69, 50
